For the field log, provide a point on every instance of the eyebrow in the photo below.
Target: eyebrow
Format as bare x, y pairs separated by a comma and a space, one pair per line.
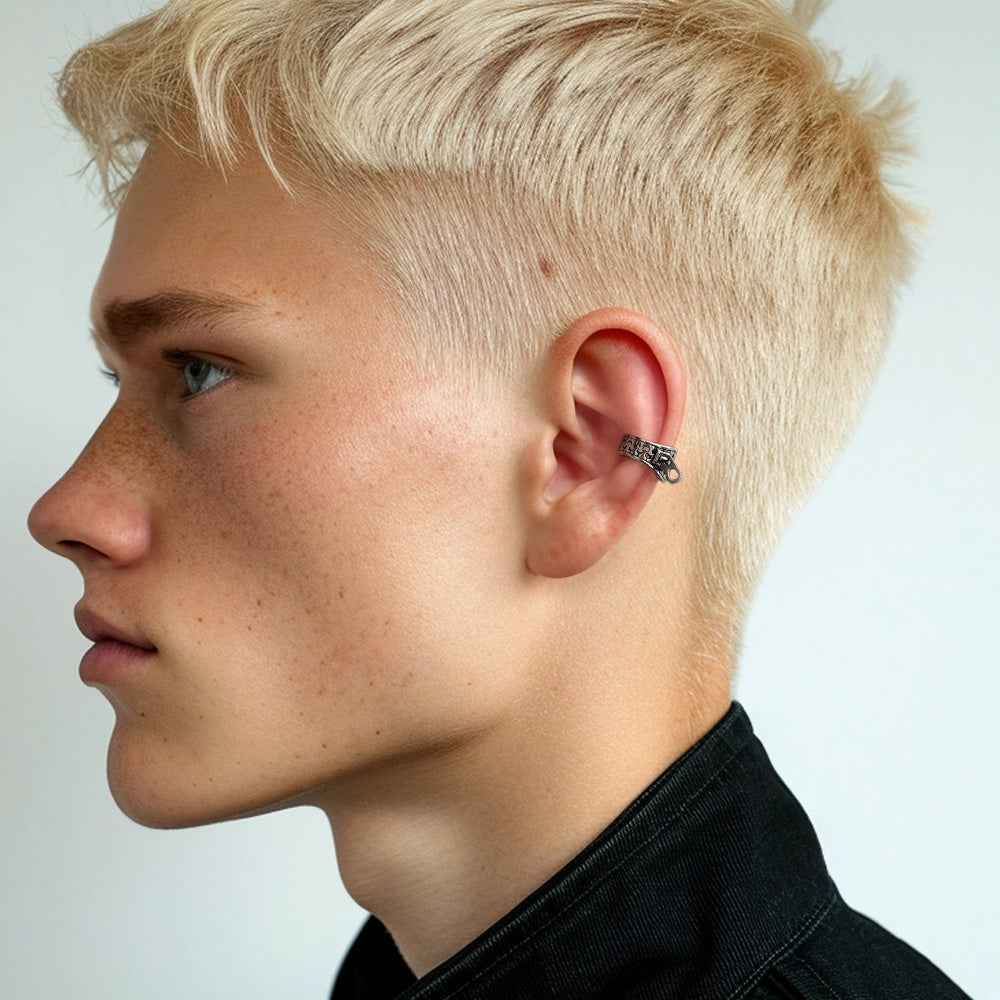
125, 321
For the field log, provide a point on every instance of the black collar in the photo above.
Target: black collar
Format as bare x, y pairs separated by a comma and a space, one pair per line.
705, 878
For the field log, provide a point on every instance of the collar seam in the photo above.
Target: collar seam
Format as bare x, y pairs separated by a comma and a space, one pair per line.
805, 929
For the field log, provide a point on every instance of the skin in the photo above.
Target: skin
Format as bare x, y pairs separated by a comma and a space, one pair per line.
386, 593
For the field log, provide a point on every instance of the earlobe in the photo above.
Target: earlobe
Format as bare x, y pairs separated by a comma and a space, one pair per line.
613, 373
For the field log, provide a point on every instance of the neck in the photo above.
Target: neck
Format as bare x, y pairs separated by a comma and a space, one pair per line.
441, 846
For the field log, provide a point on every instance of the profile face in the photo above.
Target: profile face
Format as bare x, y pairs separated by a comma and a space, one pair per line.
291, 556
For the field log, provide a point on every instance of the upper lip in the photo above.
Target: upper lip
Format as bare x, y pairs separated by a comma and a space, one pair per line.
98, 629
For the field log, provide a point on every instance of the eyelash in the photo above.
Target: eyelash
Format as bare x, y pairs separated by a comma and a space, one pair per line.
179, 360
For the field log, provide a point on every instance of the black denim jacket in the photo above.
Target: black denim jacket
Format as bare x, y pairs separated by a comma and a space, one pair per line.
710, 886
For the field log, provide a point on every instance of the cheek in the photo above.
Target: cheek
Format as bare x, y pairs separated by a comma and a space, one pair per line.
280, 535
307, 548
341, 575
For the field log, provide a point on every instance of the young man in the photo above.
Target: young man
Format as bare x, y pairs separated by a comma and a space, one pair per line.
472, 355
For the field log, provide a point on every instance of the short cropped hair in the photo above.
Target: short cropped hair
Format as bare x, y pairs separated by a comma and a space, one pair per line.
513, 164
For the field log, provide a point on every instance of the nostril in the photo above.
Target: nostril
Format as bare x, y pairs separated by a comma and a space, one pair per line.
72, 545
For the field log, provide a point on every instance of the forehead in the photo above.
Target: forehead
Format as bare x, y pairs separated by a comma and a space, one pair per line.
229, 233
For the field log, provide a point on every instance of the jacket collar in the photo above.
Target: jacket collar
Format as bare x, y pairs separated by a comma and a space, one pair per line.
705, 877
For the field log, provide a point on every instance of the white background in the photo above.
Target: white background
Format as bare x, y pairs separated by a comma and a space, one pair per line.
870, 666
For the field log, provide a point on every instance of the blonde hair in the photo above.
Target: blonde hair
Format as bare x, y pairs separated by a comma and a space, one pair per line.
696, 160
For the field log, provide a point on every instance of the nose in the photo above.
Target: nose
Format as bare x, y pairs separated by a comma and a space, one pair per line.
95, 513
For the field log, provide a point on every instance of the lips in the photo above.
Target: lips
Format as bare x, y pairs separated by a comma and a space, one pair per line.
116, 654
98, 629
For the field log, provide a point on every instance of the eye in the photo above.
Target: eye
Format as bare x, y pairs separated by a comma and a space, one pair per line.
199, 374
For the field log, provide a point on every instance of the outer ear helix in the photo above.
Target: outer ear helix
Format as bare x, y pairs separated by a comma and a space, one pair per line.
659, 457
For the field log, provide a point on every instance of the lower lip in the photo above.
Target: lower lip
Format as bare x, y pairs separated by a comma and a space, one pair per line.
110, 660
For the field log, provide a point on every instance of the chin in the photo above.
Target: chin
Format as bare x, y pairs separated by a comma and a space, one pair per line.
166, 791
152, 805
148, 803
157, 792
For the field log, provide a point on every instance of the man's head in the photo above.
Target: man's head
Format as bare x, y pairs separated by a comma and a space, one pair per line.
478, 241
513, 165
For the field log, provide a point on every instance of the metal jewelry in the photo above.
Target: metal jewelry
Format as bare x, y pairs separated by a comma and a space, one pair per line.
659, 457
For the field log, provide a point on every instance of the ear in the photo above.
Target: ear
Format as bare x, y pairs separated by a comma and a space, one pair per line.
613, 372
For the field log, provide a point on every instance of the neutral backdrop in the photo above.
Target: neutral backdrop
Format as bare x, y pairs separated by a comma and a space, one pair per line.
870, 664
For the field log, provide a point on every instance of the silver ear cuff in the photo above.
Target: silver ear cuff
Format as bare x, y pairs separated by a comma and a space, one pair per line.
659, 457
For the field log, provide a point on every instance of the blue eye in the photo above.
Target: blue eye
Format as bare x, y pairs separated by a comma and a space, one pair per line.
200, 375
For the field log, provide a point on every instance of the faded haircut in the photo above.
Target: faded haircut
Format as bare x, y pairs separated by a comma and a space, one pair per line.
513, 164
